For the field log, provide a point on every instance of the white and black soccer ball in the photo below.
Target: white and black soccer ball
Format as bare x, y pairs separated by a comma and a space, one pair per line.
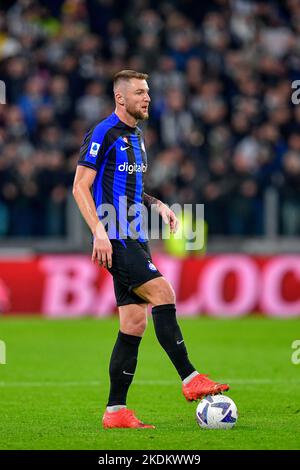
216, 412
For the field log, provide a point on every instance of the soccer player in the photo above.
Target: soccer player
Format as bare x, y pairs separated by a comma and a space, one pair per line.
112, 163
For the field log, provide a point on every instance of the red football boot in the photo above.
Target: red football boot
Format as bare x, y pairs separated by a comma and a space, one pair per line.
123, 418
200, 386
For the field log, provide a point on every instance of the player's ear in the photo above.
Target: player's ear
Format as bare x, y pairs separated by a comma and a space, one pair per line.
119, 98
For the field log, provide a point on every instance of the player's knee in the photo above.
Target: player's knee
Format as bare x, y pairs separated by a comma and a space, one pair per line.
140, 327
136, 327
165, 295
138, 330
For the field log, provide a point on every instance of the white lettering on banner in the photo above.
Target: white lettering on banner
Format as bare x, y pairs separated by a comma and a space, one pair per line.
272, 301
247, 285
105, 302
171, 269
70, 285
68, 277
4, 297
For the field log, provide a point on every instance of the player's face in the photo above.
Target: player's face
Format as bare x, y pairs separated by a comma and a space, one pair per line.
137, 98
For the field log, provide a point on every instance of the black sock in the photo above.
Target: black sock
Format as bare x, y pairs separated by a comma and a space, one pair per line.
122, 367
169, 335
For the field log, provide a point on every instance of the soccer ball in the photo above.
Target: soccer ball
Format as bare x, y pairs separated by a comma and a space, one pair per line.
216, 412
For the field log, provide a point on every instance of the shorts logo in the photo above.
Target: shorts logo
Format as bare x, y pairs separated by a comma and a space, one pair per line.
94, 149
151, 266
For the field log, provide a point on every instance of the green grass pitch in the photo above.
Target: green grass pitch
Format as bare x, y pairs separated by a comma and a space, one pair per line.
54, 386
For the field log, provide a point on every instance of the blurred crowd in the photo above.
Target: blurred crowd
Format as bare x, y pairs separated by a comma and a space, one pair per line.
223, 129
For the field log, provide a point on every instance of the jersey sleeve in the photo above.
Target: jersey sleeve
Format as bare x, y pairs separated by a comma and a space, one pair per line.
92, 150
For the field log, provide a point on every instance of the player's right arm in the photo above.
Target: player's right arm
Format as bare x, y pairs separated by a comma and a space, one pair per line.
83, 181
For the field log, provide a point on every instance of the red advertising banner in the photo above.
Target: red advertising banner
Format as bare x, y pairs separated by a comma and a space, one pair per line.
230, 285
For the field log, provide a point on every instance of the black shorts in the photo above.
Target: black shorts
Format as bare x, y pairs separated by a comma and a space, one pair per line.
131, 267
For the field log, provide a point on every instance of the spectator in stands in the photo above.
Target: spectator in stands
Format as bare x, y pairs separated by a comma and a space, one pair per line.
222, 128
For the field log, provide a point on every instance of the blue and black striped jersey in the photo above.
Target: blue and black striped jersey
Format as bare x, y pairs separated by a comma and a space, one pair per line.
117, 153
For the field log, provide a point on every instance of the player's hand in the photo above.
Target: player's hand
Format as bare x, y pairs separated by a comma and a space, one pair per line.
168, 217
102, 250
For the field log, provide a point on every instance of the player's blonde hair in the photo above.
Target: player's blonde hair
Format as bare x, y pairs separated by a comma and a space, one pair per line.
127, 75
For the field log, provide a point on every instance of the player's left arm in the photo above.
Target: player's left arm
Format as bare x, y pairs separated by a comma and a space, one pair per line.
166, 213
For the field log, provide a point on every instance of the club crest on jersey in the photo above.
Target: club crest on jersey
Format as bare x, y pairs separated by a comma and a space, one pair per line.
125, 139
94, 149
151, 266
